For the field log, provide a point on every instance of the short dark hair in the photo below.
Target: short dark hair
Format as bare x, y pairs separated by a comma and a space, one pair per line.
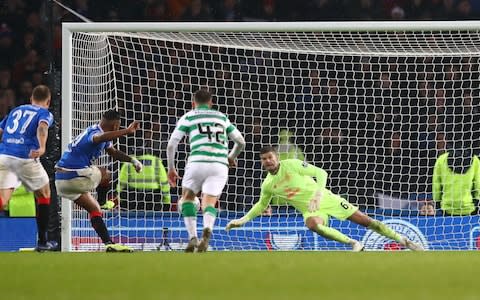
41, 93
202, 96
267, 149
111, 115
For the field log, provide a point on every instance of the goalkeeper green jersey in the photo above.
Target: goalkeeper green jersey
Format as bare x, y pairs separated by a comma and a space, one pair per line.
293, 183
453, 190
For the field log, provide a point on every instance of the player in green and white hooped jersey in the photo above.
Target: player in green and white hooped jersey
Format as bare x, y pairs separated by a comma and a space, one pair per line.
292, 180
208, 131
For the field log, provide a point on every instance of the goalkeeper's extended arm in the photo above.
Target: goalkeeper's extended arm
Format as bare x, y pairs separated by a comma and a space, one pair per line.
310, 170
254, 212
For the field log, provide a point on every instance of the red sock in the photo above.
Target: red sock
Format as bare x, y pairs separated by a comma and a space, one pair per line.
94, 214
43, 200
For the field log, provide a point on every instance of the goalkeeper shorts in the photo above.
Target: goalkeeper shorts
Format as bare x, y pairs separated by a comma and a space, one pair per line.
332, 205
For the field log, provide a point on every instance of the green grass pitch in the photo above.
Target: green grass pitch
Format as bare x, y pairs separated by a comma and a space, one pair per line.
240, 275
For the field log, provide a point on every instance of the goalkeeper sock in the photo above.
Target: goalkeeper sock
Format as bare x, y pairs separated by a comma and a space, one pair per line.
99, 226
209, 216
384, 230
332, 234
43, 214
189, 213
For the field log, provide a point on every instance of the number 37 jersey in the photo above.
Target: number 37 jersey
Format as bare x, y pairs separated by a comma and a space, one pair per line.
20, 130
208, 131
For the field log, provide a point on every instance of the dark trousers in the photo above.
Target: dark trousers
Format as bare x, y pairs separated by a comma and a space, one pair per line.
54, 223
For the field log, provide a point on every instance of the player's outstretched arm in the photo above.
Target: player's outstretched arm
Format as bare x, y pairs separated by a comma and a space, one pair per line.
307, 169
172, 174
239, 141
254, 212
123, 157
42, 135
111, 135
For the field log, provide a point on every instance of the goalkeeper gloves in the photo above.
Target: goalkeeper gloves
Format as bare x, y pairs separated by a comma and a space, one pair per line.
137, 164
236, 223
314, 204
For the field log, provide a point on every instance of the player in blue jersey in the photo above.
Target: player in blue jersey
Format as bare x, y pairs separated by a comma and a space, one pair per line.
24, 135
75, 176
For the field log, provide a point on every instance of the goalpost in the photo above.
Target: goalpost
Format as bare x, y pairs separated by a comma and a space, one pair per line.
373, 103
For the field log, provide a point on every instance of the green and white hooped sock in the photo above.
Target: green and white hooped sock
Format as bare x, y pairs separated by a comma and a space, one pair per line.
189, 214
209, 216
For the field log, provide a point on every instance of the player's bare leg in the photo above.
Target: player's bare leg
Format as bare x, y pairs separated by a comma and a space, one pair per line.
316, 224
42, 197
189, 213
209, 216
5, 196
362, 219
87, 202
103, 188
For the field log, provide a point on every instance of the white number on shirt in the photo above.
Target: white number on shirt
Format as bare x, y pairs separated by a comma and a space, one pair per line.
17, 115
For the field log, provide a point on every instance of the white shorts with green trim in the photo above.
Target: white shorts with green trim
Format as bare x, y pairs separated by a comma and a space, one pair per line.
210, 178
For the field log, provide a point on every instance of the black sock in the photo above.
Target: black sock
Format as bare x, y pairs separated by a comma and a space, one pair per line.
43, 214
102, 195
101, 229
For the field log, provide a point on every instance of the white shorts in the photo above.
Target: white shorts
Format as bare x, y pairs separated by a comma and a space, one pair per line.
9, 180
210, 178
73, 188
14, 170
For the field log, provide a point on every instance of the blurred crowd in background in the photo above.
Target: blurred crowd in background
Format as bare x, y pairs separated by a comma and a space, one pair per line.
23, 42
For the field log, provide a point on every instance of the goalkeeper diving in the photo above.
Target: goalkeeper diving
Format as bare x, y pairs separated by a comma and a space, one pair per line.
292, 180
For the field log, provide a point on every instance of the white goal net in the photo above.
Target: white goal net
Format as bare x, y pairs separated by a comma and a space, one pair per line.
372, 104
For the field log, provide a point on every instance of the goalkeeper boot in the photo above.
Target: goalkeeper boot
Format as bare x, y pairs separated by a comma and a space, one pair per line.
413, 246
203, 245
192, 244
117, 248
357, 246
108, 205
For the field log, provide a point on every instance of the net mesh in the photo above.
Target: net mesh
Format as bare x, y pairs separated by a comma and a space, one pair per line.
374, 110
